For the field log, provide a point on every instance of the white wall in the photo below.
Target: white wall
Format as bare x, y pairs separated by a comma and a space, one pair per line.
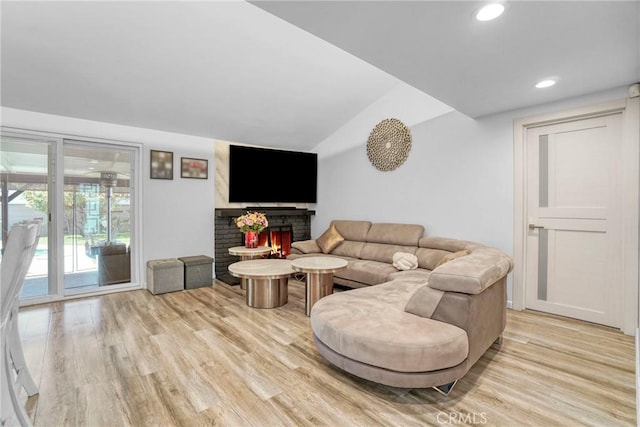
177, 215
457, 180
403, 102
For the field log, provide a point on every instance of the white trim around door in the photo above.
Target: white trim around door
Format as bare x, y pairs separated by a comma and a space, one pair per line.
630, 110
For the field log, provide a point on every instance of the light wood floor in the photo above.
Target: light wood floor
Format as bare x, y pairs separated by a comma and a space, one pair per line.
202, 357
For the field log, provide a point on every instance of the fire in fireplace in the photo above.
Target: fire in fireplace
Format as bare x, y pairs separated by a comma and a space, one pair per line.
278, 238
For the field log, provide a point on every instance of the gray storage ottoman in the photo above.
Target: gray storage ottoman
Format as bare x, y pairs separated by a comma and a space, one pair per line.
198, 271
165, 275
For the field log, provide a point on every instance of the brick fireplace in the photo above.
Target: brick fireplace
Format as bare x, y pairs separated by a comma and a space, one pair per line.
278, 238
284, 223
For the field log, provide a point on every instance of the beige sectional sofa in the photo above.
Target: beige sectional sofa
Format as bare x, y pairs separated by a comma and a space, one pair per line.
420, 327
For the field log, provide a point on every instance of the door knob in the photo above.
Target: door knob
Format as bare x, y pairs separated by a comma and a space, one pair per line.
533, 226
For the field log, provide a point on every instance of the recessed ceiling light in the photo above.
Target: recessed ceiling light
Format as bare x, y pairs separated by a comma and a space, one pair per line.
545, 83
489, 12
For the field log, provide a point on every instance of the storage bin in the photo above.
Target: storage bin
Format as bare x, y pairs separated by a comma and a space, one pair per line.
165, 275
198, 271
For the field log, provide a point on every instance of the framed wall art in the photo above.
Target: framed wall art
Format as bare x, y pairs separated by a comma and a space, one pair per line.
161, 164
194, 168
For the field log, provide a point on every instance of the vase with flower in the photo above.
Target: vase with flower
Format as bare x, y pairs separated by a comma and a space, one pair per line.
251, 224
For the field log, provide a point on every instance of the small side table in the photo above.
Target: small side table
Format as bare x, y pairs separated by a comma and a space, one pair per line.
319, 272
247, 254
267, 281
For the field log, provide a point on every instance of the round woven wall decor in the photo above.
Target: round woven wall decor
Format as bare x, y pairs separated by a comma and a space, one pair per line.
389, 144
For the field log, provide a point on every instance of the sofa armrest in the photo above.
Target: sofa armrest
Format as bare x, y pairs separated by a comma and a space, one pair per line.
473, 273
305, 247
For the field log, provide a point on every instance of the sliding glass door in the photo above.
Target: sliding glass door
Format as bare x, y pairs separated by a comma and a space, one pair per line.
25, 177
84, 192
97, 215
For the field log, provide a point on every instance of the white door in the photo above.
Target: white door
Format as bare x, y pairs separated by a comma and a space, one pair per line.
574, 205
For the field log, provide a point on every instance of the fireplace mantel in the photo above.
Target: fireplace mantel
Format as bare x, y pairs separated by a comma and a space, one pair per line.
275, 211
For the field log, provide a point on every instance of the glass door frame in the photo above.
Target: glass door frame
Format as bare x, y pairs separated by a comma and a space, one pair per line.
56, 215
135, 277
52, 204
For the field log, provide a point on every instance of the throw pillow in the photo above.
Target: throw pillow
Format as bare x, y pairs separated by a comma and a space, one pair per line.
405, 261
329, 240
451, 256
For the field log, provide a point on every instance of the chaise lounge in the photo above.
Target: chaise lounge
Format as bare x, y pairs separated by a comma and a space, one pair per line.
419, 326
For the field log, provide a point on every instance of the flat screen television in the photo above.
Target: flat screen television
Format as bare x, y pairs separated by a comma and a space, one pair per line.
272, 176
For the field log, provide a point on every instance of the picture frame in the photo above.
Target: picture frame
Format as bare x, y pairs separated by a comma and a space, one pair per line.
161, 164
194, 168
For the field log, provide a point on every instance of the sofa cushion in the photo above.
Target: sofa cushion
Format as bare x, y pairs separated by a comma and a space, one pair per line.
395, 234
424, 301
352, 230
296, 256
370, 325
306, 246
366, 271
383, 252
330, 239
348, 248
419, 275
428, 258
444, 244
473, 273
451, 256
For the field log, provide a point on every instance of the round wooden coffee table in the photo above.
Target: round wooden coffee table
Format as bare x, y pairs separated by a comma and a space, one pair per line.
319, 271
247, 254
267, 281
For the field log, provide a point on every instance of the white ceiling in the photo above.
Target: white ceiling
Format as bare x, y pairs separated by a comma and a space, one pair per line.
235, 71
477, 67
225, 70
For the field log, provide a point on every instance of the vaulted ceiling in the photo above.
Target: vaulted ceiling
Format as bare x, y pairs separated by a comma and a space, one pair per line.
289, 74
478, 67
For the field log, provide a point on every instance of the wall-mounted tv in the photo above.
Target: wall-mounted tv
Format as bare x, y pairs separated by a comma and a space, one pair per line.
272, 176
